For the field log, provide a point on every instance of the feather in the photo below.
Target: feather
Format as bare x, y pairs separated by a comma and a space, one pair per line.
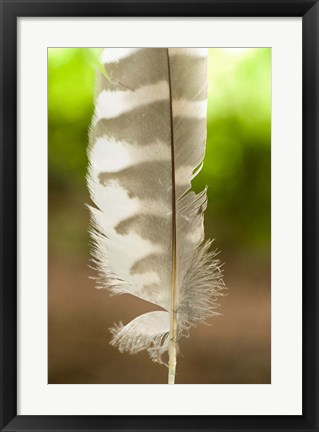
147, 143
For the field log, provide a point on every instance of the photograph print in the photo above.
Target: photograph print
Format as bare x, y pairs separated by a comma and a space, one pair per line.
159, 198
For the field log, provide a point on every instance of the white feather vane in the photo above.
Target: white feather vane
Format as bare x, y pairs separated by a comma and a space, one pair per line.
147, 142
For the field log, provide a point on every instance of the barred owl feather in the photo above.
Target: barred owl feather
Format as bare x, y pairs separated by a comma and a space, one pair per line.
147, 143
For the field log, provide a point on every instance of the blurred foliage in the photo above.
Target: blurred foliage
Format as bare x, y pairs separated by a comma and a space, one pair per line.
237, 166
238, 155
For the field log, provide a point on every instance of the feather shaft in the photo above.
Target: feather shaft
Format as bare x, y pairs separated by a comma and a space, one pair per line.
173, 306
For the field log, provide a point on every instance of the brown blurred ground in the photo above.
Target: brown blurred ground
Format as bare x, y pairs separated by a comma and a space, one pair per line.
235, 349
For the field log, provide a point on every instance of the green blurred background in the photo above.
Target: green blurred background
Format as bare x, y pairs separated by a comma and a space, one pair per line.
237, 170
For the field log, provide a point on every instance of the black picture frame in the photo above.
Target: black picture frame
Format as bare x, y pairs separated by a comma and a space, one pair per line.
10, 11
